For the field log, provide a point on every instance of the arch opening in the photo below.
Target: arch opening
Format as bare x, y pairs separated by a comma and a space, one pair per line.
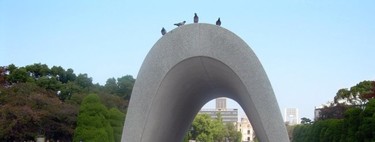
230, 113
191, 84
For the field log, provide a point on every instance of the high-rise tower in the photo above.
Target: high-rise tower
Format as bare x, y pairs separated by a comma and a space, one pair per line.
221, 103
291, 116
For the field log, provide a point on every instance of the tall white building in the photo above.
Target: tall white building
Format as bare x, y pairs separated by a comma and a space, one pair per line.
291, 116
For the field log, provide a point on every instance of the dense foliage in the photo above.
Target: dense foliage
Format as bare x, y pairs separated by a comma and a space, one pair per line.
205, 129
97, 123
357, 125
352, 120
356, 96
27, 111
36, 100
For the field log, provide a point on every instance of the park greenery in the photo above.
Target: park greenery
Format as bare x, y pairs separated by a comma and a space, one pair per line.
59, 105
97, 123
349, 118
206, 129
38, 101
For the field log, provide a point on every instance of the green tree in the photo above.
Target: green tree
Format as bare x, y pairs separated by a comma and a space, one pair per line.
232, 134
351, 124
367, 128
371, 93
36, 100
59, 73
11, 68
218, 128
125, 86
18, 75
202, 128
38, 70
297, 133
92, 124
83, 81
68, 89
50, 83
111, 86
357, 95
206, 129
114, 101
116, 119
70, 76
305, 120
28, 110
363, 89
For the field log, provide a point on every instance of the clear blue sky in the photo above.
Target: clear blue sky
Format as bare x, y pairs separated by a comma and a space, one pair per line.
309, 48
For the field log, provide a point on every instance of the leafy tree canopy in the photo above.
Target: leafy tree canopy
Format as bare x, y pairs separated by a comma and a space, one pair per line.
38, 100
351, 120
206, 129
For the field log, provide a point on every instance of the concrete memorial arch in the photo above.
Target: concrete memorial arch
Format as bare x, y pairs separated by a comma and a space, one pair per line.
185, 69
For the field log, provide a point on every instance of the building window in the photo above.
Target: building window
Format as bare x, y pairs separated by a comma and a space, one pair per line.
248, 131
248, 138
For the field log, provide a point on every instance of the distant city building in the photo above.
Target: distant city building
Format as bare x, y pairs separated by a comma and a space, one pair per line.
291, 116
227, 115
221, 103
246, 130
317, 113
231, 116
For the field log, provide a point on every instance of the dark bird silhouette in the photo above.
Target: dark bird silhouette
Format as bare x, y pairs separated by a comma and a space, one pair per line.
180, 24
218, 22
196, 18
163, 31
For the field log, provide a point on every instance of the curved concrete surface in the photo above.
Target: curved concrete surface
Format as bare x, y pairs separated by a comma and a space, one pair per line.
190, 66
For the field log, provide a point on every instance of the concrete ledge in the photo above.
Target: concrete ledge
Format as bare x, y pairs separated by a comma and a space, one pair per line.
190, 66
